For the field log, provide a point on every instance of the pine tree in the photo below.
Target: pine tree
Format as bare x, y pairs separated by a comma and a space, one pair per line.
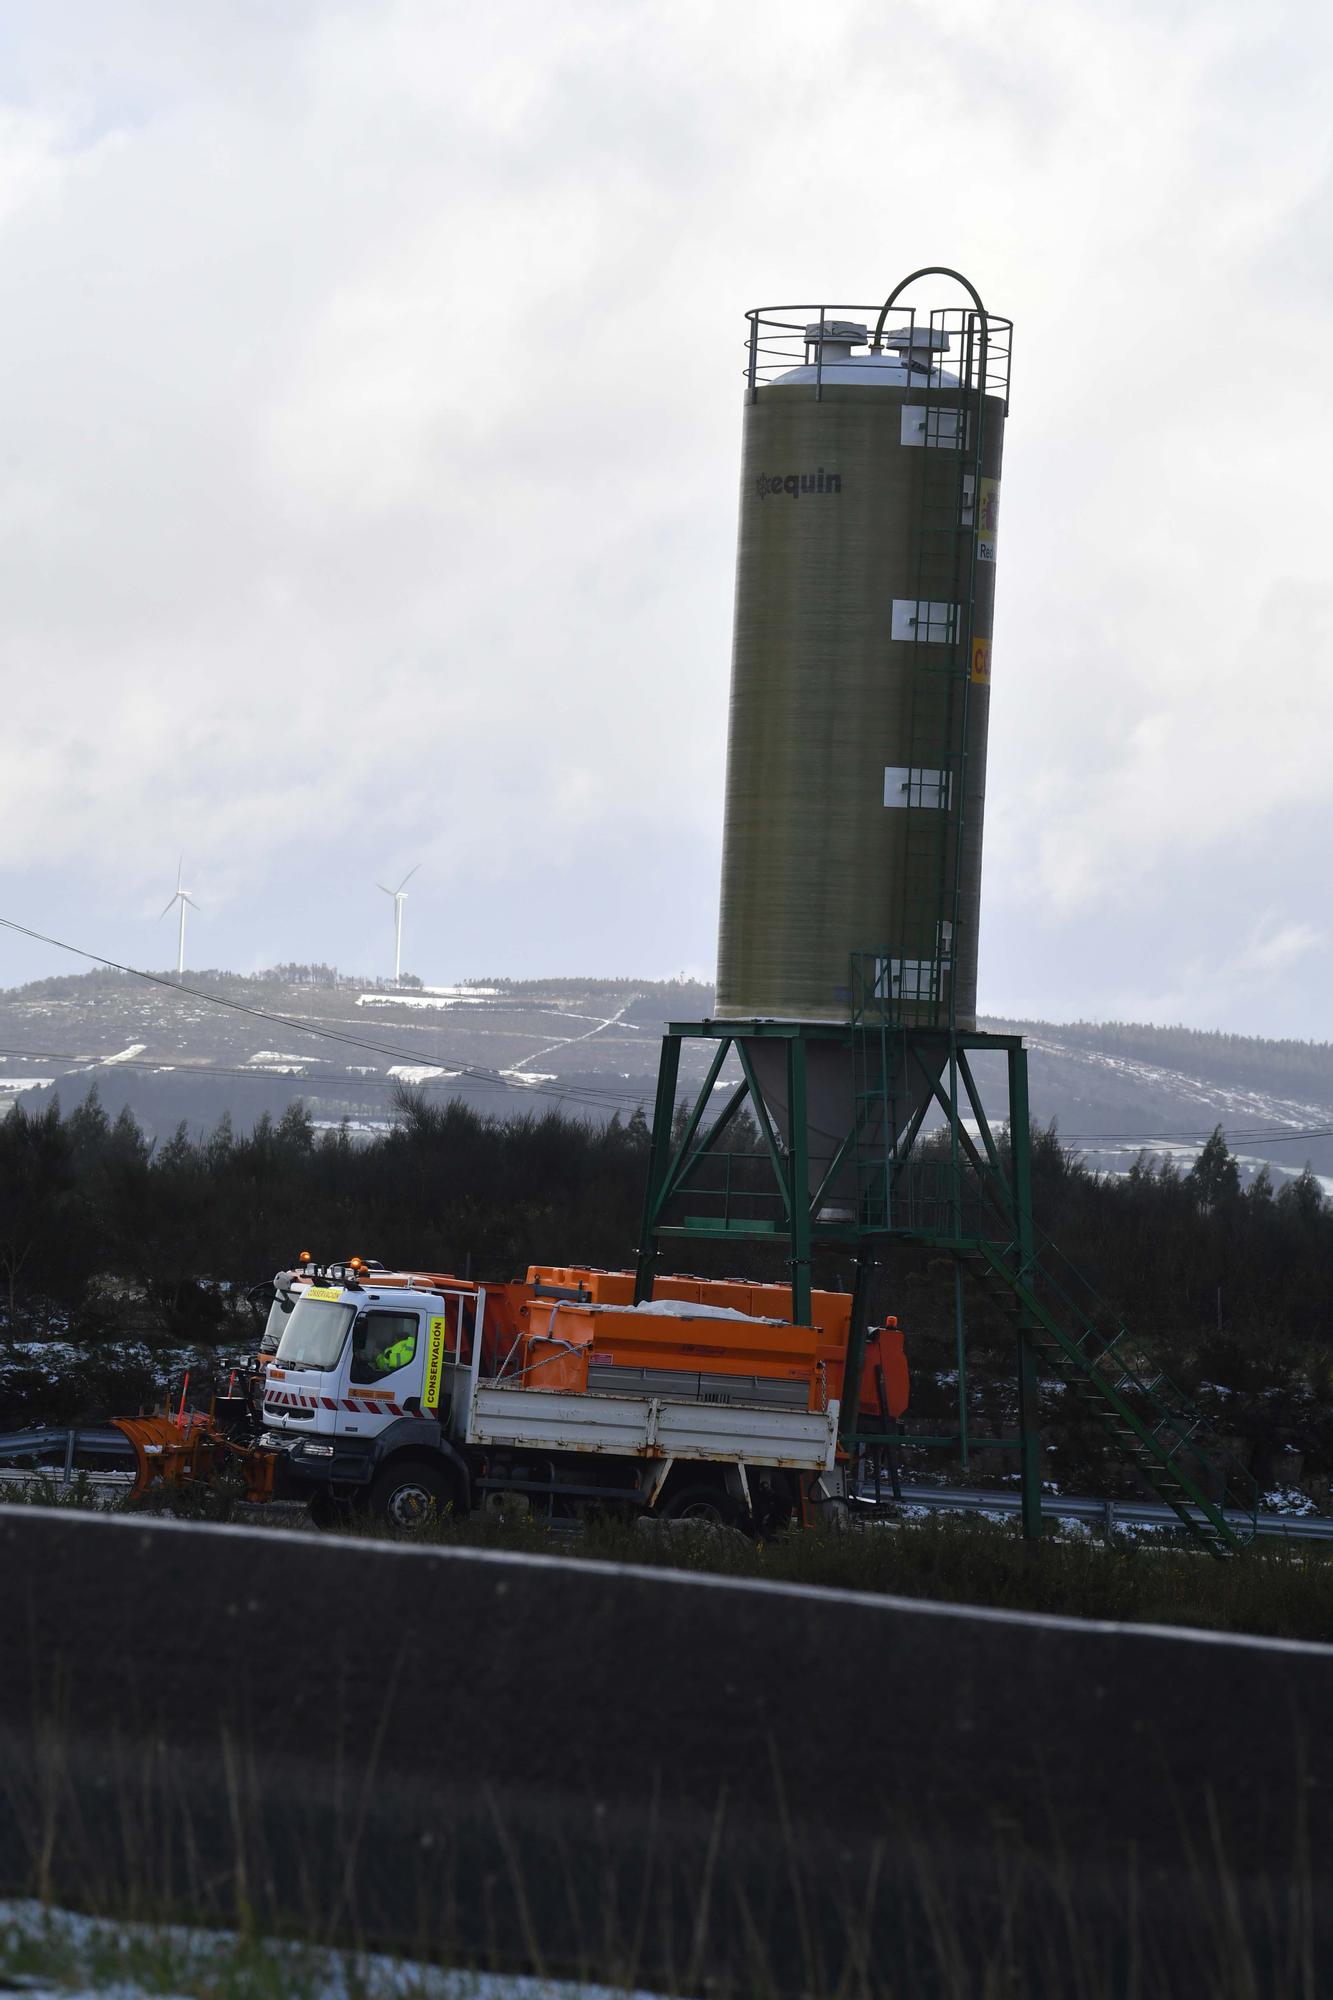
1214, 1179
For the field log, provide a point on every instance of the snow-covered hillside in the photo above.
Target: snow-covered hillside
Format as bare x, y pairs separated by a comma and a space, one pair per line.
245, 1045
1110, 1104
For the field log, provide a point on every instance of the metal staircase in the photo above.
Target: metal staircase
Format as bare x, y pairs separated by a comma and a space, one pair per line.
1152, 1422
973, 1202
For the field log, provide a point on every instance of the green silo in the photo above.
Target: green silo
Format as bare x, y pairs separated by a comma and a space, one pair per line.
860, 688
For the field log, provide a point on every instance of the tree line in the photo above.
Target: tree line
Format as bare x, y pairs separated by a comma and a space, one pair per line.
100, 1225
102, 1232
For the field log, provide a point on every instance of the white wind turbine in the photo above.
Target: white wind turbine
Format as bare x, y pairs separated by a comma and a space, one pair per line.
182, 896
399, 896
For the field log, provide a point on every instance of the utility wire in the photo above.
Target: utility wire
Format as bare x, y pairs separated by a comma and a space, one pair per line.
94, 1066
604, 1099
1233, 1137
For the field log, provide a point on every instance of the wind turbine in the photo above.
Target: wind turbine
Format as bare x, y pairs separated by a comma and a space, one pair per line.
399, 896
182, 896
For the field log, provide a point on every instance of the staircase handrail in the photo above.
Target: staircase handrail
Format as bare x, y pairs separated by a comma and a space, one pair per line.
1240, 1488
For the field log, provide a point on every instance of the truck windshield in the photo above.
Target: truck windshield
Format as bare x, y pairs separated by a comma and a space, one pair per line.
313, 1337
275, 1325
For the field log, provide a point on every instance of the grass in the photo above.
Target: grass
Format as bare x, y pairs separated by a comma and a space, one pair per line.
1031, 1929
911, 1922
1273, 1590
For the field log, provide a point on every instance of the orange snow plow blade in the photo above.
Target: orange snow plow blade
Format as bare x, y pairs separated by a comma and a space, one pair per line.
190, 1452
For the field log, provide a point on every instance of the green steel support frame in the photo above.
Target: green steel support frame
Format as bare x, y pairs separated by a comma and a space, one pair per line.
972, 1202
933, 1058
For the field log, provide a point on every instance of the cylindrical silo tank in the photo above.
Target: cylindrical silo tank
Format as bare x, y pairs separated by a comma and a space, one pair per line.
861, 664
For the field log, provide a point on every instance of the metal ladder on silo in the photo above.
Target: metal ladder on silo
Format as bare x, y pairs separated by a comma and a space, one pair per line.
945, 560
879, 1068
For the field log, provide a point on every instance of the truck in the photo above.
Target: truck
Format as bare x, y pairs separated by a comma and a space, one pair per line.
408, 1393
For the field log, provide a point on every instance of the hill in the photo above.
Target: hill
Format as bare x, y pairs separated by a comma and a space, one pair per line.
220, 1041
248, 1044
1115, 1086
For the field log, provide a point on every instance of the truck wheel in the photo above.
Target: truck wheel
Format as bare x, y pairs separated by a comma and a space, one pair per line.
326, 1512
707, 1504
409, 1494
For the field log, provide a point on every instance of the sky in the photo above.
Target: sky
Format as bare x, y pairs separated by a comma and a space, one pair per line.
369, 434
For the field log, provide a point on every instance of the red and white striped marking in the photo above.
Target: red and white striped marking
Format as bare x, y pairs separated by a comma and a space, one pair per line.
299, 1399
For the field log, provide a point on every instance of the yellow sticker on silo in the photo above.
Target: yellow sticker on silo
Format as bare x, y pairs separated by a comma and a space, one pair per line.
988, 520
981, 662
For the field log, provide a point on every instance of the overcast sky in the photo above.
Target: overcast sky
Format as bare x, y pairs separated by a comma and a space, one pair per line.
369, 428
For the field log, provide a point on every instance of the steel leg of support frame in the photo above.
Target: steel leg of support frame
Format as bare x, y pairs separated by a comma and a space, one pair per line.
960, 1346
856, 1350
659, 1162
1020, 1144
798, 1166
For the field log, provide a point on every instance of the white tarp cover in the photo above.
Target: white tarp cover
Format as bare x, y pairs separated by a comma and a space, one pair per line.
683, 1309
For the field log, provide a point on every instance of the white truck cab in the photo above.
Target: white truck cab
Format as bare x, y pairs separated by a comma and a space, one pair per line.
367, 1392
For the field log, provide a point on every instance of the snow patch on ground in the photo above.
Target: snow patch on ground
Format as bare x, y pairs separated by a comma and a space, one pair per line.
1225, 1100
132, 1962
1231, 1106
431, 999
57, 1357
520, 1071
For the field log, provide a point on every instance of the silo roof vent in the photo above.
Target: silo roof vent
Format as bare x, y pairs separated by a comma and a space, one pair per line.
904, 358
918, 339
837, 337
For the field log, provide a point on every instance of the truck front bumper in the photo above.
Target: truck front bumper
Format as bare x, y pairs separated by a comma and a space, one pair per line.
307, 1466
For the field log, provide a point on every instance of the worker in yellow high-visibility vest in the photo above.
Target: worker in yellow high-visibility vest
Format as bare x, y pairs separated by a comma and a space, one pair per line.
396, 1356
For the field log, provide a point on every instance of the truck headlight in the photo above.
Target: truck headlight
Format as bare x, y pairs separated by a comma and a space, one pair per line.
316, 1450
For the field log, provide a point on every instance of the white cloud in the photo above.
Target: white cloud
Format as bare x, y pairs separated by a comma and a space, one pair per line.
1272, 952
369, 435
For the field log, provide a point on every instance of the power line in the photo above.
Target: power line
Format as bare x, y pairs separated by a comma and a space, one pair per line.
93, 1066
606, 1098
1278, 1135
602, 1099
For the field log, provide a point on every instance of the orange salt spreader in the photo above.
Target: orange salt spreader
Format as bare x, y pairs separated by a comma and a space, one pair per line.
741, 1334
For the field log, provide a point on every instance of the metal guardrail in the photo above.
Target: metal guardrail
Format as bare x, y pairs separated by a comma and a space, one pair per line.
1105, 1514
98, 1454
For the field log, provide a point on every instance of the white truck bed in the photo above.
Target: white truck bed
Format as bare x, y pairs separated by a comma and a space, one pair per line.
652, 1427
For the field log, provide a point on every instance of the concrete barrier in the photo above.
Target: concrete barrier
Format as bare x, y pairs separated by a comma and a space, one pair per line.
573, 1766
